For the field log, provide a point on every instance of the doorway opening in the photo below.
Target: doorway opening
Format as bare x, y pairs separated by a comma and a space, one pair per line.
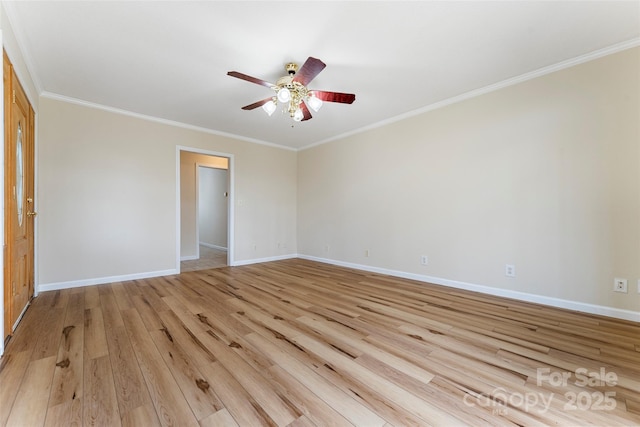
205, 209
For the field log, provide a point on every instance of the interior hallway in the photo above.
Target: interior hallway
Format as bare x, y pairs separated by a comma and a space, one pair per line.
209, 258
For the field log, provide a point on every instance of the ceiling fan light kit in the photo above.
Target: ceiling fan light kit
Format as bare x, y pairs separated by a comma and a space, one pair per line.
291, 91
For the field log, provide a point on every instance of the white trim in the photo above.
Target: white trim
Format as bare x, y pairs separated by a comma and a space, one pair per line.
104, 280
209, 245
189, 258
24, 310
505, 293
88, 104
268, 259
491, 88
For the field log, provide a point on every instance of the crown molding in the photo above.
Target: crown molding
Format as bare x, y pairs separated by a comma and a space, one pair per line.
63, 98
629, 44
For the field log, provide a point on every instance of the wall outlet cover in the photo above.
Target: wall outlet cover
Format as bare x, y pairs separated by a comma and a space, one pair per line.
620, 285
510, 270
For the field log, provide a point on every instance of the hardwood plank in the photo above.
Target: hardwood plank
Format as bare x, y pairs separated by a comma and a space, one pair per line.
129, 385
122, 296
30, 405
427, 392
95, 338
374, 382
314, 408
47, 344
195, 388
370, 350
170, 405
244, 409
12, 369
222, 418
190, 319
100, 405
130, 388
353, 411
147, 313
187, 297
61, 298
110, 312
68, 375
338, 380
186, 338
144, 415
276, 405
303, 421
91, 297
68, 413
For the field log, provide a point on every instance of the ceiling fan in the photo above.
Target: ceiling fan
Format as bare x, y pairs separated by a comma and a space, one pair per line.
291, 91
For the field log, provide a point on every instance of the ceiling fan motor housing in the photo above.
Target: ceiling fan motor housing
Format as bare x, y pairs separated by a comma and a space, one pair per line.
298, 91
291, 68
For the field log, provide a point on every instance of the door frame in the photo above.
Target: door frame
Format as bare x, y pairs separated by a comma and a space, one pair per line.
230, 204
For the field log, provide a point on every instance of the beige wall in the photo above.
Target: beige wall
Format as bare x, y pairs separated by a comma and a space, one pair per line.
544, 175
107, 190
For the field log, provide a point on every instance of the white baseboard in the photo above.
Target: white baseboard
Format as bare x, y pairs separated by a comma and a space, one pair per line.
259, 260
506, 293
209, 245
189, 258
102, 280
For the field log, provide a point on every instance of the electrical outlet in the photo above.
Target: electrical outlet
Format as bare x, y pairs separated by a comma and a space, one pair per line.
327, 248
424, 260
510, 270
639, 286
620, 285
366, 252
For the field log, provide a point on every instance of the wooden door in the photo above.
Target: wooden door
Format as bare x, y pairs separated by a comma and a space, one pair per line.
18, 199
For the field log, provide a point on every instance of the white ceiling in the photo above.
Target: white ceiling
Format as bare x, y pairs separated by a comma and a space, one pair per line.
169, 59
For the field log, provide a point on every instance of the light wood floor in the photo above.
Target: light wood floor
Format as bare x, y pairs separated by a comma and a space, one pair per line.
301, 343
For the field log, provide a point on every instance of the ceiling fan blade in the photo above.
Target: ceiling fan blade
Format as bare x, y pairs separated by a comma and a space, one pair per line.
345, 98
256, 104
249, 79
309, 70
305, 111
